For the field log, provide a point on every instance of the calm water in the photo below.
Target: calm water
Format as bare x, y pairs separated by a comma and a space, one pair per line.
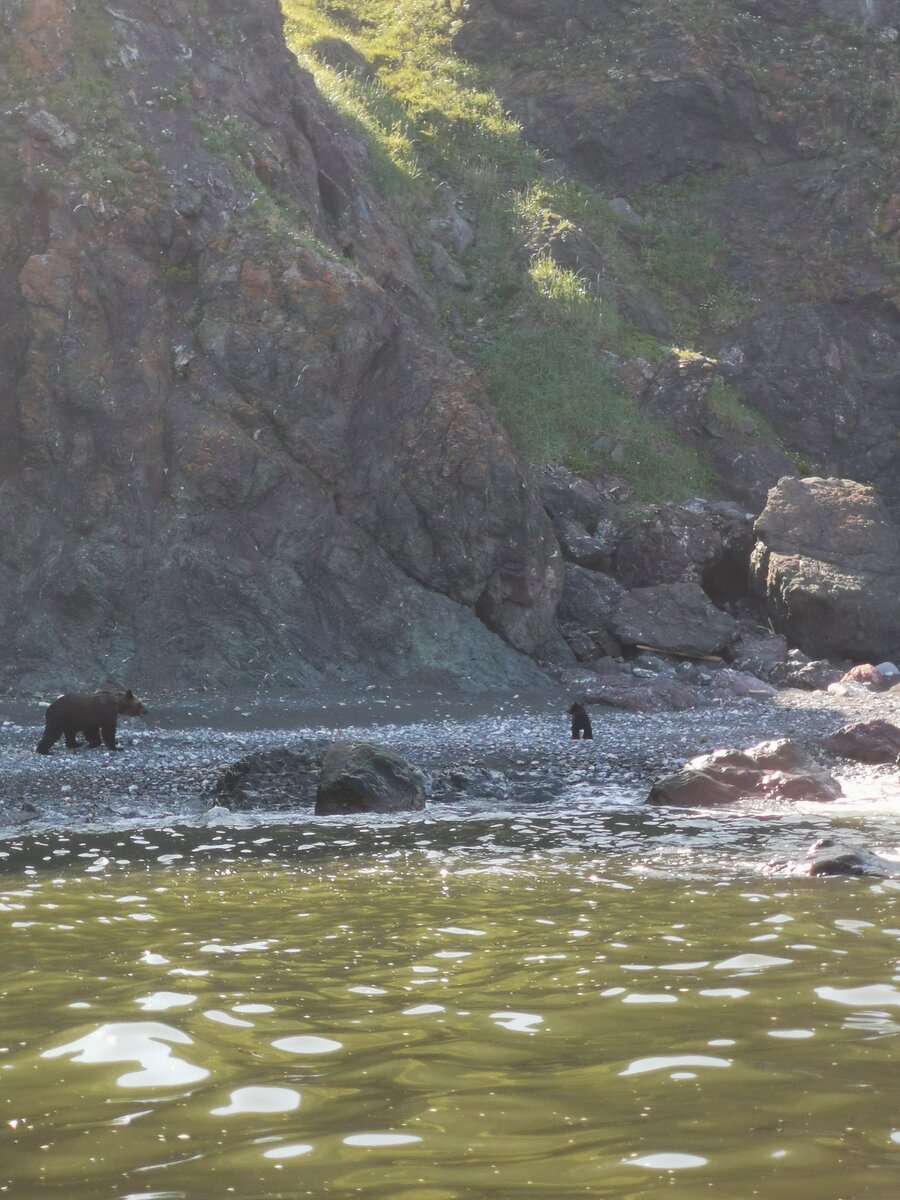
523, 1006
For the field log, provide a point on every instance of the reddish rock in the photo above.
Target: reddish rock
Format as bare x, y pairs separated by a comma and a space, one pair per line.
772, 772
44, 35
227, 452
865, 673
866, 741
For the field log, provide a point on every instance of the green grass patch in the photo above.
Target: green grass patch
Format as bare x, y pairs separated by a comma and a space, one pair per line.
541, 336
556, 397
728, 406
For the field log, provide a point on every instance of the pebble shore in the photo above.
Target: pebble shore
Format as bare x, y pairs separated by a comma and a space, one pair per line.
168, 766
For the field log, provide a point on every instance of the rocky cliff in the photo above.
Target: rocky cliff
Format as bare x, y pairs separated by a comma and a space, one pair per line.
251, 351
233, 445
769, 132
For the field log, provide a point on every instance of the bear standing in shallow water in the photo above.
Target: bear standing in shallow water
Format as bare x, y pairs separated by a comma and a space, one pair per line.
95, 715
581, 722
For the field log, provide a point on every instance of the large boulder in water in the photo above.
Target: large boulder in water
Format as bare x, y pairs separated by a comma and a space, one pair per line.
772, 771
363, 777
274, 778
827, 561
828, 857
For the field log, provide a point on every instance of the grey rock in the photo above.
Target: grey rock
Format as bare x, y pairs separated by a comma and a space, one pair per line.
809, 676
827, 563
45, 127
364, 777
676, 617
592, 551
274, 778
828, 857
445, 269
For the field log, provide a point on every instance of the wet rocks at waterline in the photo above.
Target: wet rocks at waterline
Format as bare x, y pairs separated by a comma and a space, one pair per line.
771, 772
364, 777
829, 857
348, 776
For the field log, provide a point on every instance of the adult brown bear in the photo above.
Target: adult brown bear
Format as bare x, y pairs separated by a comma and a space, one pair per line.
95, 715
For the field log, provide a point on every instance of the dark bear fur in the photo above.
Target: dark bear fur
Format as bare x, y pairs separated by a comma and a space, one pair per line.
581, 722
95, 715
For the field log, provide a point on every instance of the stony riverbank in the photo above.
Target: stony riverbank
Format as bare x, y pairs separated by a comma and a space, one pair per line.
516, 751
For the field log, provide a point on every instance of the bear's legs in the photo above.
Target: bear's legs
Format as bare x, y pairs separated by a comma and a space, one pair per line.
109, 734
52, 733
93, 736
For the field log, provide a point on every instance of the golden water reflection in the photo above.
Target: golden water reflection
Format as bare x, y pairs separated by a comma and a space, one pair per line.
381, 1026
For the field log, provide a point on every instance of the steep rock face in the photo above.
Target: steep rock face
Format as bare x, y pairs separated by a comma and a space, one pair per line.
774, 116
232, 444
827, 561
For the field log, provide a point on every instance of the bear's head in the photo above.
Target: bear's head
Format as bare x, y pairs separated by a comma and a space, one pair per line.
129, 705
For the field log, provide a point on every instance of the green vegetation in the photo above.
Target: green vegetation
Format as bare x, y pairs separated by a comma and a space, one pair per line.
728, 407
545, 339
87, 100
177, 274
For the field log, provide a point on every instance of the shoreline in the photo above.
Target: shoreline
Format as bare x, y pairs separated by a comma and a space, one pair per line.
520, 748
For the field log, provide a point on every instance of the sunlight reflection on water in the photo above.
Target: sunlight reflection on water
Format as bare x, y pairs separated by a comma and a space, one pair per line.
572, 1030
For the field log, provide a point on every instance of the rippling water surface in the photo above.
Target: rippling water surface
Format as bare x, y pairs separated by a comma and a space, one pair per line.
531, 1005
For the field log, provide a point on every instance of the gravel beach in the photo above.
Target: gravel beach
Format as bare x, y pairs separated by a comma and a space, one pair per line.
520, 745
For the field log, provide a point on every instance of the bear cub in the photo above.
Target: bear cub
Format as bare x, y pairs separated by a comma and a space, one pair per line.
581, 722
95, 715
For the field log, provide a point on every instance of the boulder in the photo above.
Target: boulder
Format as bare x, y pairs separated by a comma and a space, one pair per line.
867, 674
678, 617
728, 684
659, 694
274, 778
866, 741
590, 550
827, 563
828, 857
698, 543
772, 771
588, 601
814, 676
363, 777
759, 651
565, 494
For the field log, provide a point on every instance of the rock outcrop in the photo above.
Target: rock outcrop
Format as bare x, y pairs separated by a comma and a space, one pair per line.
827, 563
774, 119
234, 447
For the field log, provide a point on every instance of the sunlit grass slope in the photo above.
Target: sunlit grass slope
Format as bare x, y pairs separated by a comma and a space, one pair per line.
543, 341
